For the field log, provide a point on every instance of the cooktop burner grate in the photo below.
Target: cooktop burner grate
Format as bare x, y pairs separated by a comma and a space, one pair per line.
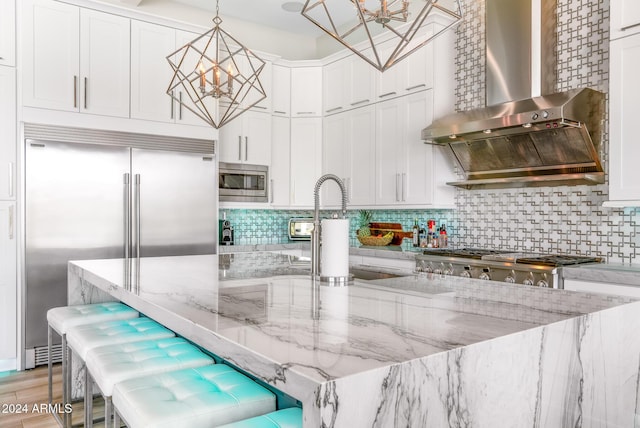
557, 260
468, 253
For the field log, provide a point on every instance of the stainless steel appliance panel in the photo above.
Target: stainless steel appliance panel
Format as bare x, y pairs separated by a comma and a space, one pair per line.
243, 182
174, 203
74, 210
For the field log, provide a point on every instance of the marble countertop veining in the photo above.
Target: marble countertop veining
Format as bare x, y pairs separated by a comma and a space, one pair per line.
614, 273
262, 312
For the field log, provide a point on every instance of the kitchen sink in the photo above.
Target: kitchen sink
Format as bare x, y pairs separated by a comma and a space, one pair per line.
369, 275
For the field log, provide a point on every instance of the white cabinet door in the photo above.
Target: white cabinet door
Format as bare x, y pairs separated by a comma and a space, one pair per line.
334, 83
8, 281
417, 169
150, 71
281, 89
361, 82
104, 63
51, 55
389, 151
306, 92
361, 183
306, 155
624, 175
335, 157
625, 18
266, 80
247, 139
280, 170
7, 133
8, 33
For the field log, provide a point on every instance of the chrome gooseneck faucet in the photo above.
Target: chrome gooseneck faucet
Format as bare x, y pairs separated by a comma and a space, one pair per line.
315, 234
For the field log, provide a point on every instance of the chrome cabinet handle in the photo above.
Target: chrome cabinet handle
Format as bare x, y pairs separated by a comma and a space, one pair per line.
397, 193
127, 215
628, 27
271, 189
404, 187
305, 112
411, 88
10, 221
11, 179
280, 112
75, 91
172, 105
359, 102
387, 94
180, 105
331, 110
246, 148
239, 147
137, 208
85, 92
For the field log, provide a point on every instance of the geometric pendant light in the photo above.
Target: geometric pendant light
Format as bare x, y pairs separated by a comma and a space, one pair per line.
381, 32
218, 74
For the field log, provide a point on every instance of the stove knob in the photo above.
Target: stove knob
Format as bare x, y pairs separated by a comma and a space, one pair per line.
485, 274
439, 270
543, 282
529, 280
511, 278
449, 269
421, 265
466, 272
429, 268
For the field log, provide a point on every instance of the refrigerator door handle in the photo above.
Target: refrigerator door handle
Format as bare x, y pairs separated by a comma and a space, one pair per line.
127, 215
137, 213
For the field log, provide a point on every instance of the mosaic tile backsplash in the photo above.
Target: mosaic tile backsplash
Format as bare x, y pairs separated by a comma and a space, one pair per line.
270, 226
563, 219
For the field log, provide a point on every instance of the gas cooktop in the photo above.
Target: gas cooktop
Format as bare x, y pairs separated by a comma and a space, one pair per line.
511, 256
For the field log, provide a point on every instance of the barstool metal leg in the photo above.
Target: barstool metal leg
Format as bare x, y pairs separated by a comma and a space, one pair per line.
50, 364
67, 369
88, 399
108, 411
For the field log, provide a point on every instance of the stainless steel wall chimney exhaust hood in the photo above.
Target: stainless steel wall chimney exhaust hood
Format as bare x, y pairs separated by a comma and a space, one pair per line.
540, 141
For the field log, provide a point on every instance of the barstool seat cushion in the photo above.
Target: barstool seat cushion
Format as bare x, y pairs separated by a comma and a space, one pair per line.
286, 418
64, 317
202, 397
111, 364
83, 338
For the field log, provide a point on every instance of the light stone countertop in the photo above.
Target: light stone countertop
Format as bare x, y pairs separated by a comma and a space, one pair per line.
614, 273
356, 345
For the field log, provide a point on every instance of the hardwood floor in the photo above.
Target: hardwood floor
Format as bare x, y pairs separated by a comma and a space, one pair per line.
23, 393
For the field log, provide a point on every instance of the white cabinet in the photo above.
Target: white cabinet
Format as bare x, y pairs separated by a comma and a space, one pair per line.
8, 285
408, 172
281, 90
349, 153
625, 18
306, 155
75, 59
334, 83
7, 133
347, 83
280, 175
247, 139
624, 175
306, 91
8, 33
361, 90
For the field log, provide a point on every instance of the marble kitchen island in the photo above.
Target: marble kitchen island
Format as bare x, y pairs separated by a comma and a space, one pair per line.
414, 351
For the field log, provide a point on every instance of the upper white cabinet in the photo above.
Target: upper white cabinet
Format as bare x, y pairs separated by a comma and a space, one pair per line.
625, 18
7, 133
8, 285
306, 91
280, 171
624, 175
247, 139
281, 90
8, 32
347, 83
334, 82
75, 59
306, 155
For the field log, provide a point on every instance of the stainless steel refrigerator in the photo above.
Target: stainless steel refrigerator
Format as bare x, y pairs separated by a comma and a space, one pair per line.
95, 201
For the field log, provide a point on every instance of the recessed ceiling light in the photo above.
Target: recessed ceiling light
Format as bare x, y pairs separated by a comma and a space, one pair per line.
292, 6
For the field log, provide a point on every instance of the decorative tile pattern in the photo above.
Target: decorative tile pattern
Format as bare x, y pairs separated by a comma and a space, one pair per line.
564, 219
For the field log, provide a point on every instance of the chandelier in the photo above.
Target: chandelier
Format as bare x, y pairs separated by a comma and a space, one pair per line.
218, 74
382, 32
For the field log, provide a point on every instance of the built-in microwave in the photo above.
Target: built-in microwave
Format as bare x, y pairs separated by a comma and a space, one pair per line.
239, 182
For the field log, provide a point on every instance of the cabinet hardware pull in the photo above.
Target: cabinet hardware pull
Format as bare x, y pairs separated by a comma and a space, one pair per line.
10, 221
387, 94
348, 189
75, 91
239, 147
359, 102
85, 92
280, 112
11, 179
271, 189
180, 105
260, 107
411, 88
334, 109
246, 148
172, 104
397, 193
305, 112
628, 27
1, 58
404, 190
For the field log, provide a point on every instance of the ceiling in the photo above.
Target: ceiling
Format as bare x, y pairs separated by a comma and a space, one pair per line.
269, 13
